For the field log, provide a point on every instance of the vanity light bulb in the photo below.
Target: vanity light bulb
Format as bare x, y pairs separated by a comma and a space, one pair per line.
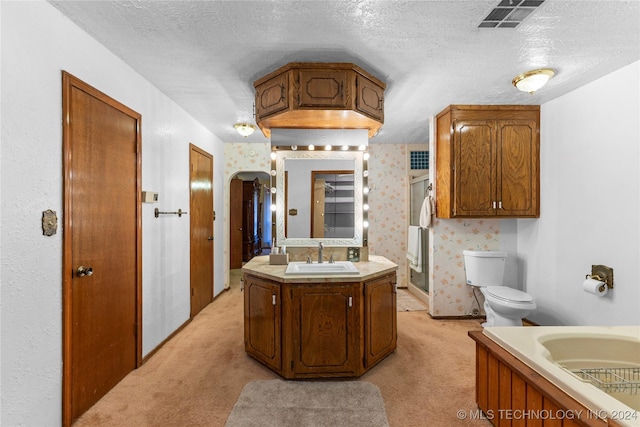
273, 190
365, 156
273, 173
273, 208
365, 207
362, 147
365, 190
273, 155
327, 147
365, 224
365, 173
345, 147
294, 147
311, 147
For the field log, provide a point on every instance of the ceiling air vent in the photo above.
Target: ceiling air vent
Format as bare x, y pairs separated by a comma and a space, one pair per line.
509, 13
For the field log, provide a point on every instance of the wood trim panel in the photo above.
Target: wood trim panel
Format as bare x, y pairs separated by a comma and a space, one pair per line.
505, 384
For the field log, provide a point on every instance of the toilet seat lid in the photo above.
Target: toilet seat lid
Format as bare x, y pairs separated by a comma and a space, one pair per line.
506, 293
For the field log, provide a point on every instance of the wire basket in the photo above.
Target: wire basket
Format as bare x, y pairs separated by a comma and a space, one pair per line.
612, 380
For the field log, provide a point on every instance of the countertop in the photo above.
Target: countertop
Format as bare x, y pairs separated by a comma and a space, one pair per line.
376, 266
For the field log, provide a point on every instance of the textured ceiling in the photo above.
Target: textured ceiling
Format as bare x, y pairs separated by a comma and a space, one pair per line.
205, 55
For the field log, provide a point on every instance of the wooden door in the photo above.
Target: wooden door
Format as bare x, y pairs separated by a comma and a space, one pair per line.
380, 319
235, 224
325, 338
249, 216
518, 160
201, 225
317, 208
474, 176
262, 319
101, 245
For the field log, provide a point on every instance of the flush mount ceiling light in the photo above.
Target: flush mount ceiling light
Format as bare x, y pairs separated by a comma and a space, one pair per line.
244, 129
533, 80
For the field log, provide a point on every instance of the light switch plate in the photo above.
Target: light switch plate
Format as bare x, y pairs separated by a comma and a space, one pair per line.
149, 197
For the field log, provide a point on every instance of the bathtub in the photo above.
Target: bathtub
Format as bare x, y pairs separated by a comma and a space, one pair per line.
556, 351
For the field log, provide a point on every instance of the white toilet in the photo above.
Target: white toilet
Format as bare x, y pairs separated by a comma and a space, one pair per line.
504, 306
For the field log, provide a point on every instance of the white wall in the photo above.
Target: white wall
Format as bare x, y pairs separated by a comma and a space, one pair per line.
590, 192
37, 44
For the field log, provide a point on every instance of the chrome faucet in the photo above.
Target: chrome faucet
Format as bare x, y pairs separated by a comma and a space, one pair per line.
320, 248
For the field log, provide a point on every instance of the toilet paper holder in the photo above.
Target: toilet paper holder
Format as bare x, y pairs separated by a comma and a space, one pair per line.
603, 274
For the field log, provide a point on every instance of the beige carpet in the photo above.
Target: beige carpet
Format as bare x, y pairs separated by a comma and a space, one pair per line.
196, 378
407, 302
278, 403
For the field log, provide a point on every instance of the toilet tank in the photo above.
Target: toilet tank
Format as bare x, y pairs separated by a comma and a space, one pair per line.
484, 268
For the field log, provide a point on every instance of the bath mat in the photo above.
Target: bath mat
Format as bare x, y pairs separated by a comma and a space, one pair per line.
407, 302
278, 403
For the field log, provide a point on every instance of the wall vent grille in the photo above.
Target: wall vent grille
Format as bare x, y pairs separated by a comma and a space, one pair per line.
509, 13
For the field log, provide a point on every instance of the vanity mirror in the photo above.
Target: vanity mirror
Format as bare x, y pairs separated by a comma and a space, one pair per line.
319, 196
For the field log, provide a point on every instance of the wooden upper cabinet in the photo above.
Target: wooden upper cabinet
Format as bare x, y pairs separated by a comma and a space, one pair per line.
321, 88
319, 96
487, 161
271, 96
370, 98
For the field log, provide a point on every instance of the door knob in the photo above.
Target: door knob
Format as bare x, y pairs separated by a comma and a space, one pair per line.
84, 271
210, 238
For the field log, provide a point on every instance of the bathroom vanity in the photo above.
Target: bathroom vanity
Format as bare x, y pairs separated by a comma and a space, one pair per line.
315, 325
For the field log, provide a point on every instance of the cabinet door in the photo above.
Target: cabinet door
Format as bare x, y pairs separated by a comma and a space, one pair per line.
325, 329
262, 314
474, 175
518, 160
272, 96
369, 98
319, 88
380, 323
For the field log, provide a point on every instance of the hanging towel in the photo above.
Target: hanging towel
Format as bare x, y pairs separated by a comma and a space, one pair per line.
414, 248
426, 212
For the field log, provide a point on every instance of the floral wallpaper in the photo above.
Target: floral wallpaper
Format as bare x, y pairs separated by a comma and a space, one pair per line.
449, 293
389, 204
449, 296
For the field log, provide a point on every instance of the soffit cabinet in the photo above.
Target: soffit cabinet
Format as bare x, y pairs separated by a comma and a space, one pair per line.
319, 95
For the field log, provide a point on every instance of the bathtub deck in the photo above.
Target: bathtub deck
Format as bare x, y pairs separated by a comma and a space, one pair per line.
509, 392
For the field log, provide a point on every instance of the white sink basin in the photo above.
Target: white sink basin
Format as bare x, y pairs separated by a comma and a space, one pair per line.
326, 268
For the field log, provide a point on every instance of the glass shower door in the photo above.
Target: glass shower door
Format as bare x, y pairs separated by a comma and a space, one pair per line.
418, 191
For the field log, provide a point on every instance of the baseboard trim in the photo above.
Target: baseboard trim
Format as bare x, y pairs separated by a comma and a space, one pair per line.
166, 340
478, 318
